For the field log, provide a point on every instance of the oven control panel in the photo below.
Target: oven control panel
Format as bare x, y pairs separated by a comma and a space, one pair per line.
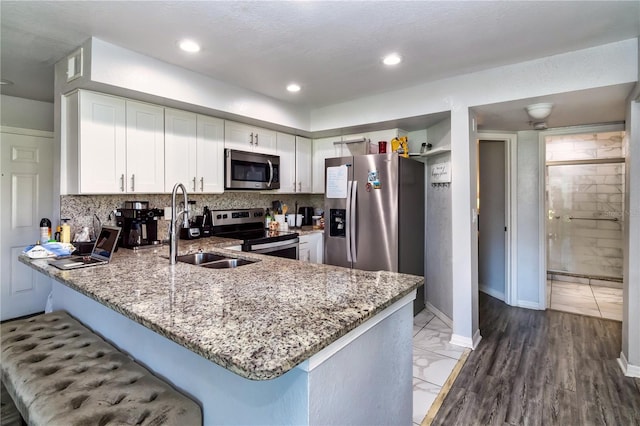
234, 217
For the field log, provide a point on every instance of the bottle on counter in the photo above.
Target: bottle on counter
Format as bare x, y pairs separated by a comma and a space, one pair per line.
267, 219
45, 230
65, 233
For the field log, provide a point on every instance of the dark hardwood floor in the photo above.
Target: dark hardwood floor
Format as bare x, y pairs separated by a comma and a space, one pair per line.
542, 368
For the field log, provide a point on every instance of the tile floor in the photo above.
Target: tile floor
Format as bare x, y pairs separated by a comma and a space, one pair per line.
433, 360
601, 302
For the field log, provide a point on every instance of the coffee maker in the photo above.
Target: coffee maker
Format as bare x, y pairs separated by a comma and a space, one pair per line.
139, 224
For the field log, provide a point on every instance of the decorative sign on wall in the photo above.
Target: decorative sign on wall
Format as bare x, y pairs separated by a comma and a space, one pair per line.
441, 173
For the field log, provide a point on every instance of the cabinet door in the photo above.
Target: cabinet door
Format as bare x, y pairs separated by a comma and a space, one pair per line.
102, 144
303, 164
322, 149
210, 158
287, 152
264, 141
238, 136
180, 149
145, 148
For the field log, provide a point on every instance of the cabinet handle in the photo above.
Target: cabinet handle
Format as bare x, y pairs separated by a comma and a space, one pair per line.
202, 184
194, 184
294, 186
251, 140
299, 186
256, 139
133, 182
122, 182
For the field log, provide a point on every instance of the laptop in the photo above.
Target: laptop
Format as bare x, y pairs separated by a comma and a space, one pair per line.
101, 253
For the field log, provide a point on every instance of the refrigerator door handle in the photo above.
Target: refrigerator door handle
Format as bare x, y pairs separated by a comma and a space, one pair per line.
353, 226
347, 231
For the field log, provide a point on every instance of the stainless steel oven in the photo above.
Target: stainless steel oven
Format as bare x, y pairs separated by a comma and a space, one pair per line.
250, 170
248, 225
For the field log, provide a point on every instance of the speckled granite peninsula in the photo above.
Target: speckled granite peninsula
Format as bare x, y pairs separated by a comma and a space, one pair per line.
259, 320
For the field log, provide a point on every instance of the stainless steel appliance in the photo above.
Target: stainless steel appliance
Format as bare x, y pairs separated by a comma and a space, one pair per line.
139, 225
374, 215
248, 225
250, 170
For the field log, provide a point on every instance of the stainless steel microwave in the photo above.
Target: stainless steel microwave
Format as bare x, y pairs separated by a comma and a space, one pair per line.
250, 170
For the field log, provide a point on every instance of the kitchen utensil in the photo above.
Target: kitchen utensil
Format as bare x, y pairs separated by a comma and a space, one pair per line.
284, 209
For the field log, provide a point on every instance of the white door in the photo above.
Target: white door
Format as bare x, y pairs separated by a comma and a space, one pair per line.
27, 191
287, 154
492, 219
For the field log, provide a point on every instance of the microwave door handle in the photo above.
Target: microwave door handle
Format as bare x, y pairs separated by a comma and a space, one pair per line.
347, 224
270, 171
354, 226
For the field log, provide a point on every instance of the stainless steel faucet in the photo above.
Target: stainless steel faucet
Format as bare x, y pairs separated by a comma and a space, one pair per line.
173, 238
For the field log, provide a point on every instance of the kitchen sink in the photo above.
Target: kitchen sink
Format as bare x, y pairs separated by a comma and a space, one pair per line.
212, 260
199, 258
228, 263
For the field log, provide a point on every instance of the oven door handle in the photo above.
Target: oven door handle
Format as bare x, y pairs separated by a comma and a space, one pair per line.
274, 245
270, 173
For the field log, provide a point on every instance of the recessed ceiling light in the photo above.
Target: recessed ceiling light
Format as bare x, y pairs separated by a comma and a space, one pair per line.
189, 46
5, 82
392, 59
293, 87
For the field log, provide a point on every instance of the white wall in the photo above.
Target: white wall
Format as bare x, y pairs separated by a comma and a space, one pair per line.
26, 113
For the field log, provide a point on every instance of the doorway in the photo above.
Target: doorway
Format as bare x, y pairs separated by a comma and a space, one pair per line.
492, 218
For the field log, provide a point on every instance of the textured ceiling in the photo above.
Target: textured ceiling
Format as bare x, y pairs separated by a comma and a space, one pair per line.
332, 49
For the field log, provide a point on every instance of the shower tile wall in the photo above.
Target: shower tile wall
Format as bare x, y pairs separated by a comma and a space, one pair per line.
589, 191
81, 208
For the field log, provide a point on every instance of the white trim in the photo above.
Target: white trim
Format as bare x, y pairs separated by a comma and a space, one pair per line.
542, 222
326, 353
510, 295
491, 292
629, 370
466, 342
26, 132
441, 315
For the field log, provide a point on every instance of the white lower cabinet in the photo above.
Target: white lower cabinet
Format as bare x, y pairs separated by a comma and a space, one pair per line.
311, 248
194, 152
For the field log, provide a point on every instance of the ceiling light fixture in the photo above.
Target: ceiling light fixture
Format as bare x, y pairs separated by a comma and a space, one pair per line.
189, 46
293, 87
392, 59
539, 111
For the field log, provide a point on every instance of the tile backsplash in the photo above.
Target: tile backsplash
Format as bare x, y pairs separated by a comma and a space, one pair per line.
80, 209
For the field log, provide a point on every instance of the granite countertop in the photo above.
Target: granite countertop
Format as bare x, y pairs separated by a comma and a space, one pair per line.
258, 320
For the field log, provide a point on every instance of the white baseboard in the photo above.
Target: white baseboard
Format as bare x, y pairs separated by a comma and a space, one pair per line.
491, 292
529, 305
629, 370
466, 342
441, 316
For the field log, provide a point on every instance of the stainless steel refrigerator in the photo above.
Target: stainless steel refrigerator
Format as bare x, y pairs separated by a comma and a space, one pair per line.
374, 215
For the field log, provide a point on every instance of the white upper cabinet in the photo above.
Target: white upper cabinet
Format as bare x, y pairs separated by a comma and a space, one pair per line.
145, 148
303, 164
287, 153
210, 159
194, 152
96, 143
180, 148
295, 163
322, 149
249, 138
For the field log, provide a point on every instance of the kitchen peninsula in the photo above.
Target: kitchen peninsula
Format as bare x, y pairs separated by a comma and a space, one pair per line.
274, 342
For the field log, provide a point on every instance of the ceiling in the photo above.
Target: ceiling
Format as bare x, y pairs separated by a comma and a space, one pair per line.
332, 49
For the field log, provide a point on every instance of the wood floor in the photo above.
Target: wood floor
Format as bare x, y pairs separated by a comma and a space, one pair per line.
542, 368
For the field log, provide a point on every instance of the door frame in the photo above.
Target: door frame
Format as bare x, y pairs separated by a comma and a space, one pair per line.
511, 210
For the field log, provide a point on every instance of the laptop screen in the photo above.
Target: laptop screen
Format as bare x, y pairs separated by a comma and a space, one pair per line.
106, 242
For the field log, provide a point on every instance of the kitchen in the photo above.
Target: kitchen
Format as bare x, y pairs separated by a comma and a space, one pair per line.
108, 60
